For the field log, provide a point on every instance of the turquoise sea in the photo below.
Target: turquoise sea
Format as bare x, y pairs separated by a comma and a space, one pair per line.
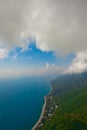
21, 101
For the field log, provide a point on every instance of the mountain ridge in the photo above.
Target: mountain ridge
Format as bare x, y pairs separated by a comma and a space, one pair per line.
70, 94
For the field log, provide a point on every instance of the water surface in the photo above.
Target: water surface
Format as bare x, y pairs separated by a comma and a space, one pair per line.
21, 101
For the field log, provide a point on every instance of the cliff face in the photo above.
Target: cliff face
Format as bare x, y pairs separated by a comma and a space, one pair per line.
70, 95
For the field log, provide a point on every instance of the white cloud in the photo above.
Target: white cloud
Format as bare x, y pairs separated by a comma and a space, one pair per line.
3, 53
58, 25
47, 66
51, 69
15, 56
18, 71
79, 64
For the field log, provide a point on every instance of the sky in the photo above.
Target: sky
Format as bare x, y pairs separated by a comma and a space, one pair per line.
42, 37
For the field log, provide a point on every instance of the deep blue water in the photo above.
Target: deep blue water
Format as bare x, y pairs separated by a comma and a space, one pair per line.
21, 101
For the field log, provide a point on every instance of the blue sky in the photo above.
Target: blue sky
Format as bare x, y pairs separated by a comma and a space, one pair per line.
33, 59
34, 56
43, 37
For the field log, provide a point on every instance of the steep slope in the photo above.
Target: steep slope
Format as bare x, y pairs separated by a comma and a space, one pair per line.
70, 94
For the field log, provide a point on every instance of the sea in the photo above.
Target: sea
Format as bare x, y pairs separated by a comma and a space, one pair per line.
21, 101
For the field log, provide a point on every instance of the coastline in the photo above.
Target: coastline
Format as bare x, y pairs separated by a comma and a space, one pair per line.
43, 109
41, 115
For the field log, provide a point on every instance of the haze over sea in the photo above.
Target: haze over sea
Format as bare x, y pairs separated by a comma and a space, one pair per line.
21, 101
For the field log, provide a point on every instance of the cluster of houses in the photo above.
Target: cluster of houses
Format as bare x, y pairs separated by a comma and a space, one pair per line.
48, 112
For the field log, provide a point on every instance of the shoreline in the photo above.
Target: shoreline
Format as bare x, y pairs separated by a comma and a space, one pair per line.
41, 115
43, 109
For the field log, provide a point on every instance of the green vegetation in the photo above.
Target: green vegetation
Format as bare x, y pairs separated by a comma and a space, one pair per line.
70, 95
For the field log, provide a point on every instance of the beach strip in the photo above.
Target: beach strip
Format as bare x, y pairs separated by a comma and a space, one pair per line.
42, 113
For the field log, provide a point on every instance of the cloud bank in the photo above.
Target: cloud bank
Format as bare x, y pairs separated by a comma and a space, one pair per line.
56, 25
3, 53
47, 69
79, 64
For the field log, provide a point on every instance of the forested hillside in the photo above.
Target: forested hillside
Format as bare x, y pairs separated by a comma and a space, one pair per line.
70, 94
